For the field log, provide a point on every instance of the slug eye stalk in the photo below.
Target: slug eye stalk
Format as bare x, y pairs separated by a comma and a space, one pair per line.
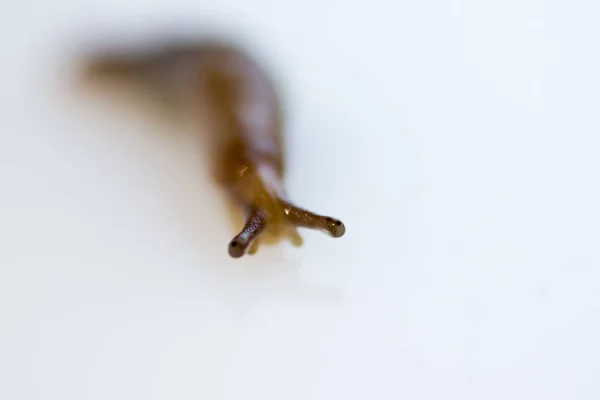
307, 219
255, 224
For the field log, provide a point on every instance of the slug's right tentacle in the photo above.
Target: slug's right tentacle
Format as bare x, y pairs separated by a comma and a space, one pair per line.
307, 219
255, 224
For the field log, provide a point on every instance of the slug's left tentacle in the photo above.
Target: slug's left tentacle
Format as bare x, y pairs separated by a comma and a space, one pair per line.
307, 219
254, 226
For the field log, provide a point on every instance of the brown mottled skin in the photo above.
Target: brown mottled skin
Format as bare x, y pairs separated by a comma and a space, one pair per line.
246, 142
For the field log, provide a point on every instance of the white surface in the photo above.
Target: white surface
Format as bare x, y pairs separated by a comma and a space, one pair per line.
459, 142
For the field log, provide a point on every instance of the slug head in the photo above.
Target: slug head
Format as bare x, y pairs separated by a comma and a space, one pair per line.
269, 225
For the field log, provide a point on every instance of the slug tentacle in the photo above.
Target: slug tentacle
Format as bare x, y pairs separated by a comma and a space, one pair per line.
246, 239
253, 249
307, 219
295, 238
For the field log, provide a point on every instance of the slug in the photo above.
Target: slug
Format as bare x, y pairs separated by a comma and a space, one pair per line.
245, 139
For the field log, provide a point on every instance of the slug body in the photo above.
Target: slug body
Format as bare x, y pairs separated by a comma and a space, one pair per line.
245, 138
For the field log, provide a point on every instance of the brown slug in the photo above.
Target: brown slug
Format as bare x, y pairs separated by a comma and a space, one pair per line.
246, 135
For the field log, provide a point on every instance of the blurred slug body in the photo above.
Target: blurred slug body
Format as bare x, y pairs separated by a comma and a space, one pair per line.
245, 136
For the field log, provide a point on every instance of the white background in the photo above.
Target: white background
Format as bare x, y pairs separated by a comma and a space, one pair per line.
458, 140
